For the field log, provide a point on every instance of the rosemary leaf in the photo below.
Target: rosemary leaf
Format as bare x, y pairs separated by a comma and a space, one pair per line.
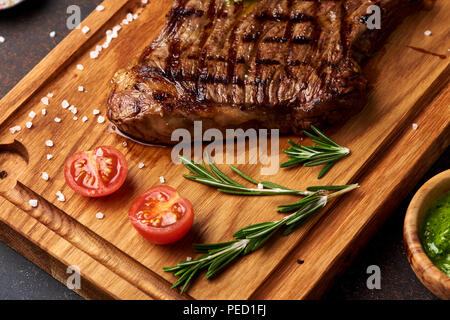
326, 152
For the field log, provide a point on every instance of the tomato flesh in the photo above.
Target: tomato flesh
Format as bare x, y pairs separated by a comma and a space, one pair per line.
161, 216
96, 173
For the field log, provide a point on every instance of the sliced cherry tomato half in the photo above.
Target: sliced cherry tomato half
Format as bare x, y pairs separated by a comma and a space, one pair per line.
161, 216
96, 173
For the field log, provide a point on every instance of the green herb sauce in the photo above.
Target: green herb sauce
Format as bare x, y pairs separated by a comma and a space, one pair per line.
436, 234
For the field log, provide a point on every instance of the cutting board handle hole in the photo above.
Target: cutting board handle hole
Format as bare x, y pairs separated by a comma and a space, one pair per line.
14, 158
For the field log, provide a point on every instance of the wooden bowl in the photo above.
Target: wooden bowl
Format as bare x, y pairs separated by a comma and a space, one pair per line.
433, 278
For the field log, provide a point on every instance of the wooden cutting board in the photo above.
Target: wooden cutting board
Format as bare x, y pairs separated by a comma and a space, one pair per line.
388, 158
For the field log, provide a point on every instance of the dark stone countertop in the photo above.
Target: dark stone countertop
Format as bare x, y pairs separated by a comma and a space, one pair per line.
26, 29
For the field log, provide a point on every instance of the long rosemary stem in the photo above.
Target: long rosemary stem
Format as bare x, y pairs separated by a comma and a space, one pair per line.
248, 239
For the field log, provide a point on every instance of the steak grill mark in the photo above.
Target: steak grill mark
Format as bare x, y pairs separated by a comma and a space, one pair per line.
282, 64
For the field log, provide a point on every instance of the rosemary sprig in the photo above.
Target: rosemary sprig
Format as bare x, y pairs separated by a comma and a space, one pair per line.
214, 177
325, 152
248, 239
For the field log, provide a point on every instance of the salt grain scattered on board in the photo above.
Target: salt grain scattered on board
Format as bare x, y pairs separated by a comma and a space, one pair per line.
33, 203
99, 215
49, 156
141, 165
44, 100
80, 67
58, 120
101, 119
85, 29
427, 33
60, 196
162, 179
15, 129
32, 114
45, 176
96, 112
94, 54
49, 143
415, 126
52, 34
100, 8
84, 119
29, 124
44, 112
65, 104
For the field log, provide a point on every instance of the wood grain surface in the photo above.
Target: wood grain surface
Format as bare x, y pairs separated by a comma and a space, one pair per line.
382, 132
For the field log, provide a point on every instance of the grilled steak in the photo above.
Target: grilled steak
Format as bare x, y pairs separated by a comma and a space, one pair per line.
262, 64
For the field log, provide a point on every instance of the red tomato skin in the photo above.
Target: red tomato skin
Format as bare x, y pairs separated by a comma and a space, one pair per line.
163, 235
103, 192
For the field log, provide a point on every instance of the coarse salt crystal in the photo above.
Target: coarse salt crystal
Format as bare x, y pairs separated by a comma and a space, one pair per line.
49, 143
141, 165
99, 215
99, 152
75, 118
427, 33
101, 119
2, 39
15, 129
60, 196
125, 21
29, 124
33, 203
52, 34
74, 110
260, 186
415, 126
49, 95
93, 54
32, 114
117, 28
129, 17
100, 8
65, 104
96, 112
135, 16
81, 88
45, 176
44, 100
58, 120
124, 144
44, 112
80, 67
84, 119
162, 180
98, 48
188, 258
49, 156
85, 29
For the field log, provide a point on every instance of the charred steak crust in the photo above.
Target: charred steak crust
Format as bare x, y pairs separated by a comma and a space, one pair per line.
266, 64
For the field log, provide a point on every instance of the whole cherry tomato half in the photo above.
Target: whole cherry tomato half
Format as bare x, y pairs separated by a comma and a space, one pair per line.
96, 173
161, 216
